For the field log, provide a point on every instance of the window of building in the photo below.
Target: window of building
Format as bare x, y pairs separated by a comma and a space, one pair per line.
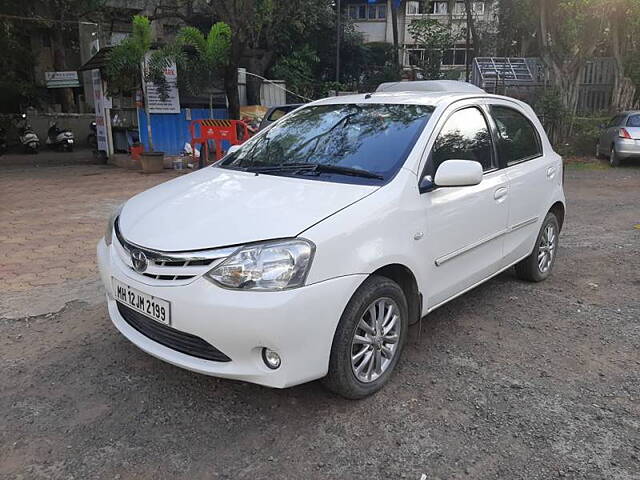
431, 8
458, 55
367, 12
476, 7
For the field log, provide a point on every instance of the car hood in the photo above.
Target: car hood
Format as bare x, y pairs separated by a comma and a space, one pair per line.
216, 207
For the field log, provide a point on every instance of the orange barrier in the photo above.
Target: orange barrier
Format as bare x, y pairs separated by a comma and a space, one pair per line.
233, 131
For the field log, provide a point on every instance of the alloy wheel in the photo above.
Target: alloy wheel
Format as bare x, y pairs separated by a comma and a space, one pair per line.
547, 249
375, 340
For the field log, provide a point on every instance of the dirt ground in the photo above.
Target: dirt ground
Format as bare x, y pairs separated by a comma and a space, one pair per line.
510, 381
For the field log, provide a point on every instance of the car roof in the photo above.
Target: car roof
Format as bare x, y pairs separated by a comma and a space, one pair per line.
410, 98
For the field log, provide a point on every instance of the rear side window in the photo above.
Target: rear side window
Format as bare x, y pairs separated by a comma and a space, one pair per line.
634, 121
518, 139
465, 136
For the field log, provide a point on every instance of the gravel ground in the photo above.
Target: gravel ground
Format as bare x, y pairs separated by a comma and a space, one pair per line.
510, 381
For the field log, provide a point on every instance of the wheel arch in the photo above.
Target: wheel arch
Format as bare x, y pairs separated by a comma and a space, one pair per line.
558, 209
404, 277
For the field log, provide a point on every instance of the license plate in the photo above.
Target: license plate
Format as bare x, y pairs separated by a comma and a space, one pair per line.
148, 305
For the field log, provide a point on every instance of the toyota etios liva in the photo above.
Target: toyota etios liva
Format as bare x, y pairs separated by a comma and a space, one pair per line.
307, 252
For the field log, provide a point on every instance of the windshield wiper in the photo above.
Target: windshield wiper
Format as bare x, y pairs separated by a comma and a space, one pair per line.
304, 168
356, 172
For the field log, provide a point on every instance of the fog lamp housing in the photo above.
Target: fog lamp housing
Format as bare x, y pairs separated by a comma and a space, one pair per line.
271, 358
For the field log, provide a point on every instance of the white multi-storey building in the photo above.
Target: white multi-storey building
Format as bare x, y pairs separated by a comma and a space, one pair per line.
373, 20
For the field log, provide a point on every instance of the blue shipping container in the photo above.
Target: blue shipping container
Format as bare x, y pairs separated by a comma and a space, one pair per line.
171, 130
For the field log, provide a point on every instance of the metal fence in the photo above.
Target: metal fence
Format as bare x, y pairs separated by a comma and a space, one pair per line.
595, 90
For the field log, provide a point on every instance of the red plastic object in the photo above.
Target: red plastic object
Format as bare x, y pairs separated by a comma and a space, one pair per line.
233, 131
136, 151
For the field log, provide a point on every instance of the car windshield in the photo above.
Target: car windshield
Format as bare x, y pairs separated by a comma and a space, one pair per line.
356, 143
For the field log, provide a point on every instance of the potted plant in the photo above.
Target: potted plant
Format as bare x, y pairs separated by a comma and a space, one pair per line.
125, 69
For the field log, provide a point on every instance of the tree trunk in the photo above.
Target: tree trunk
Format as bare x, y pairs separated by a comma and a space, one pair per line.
471, 26
394, 27
623, 87
231, 90
65, 95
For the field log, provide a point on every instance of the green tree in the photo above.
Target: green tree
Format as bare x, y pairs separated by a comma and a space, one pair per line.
569, 33
433, 37
202, 67
125, 67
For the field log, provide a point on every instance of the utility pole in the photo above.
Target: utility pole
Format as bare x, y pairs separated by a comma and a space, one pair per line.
338, 29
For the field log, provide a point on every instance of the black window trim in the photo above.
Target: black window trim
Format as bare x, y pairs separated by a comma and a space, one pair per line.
494, 129
494, 152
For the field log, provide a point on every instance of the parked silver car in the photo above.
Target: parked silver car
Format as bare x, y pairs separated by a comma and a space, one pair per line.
620, 138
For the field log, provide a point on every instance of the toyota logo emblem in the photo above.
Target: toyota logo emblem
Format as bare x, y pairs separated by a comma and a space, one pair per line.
139, 260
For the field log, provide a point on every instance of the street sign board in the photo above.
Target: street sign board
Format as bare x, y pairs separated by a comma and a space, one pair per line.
61, 79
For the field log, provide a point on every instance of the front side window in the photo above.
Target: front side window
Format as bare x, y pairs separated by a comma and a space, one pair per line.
465, 136
518, 139
615, 121
318, 141
633, 121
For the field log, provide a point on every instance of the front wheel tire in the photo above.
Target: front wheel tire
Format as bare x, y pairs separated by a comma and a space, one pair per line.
369, 339
537, 266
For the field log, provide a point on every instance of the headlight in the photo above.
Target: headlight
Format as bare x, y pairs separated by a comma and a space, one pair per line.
277, 265
108, 235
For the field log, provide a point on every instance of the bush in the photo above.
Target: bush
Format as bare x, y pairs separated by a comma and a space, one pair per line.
586, 131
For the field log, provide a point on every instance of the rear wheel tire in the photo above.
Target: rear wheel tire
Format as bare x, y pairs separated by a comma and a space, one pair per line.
369, 339
538, 266
614, 159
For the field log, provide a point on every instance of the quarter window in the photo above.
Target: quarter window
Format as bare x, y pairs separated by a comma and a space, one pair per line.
518, 139
465, 136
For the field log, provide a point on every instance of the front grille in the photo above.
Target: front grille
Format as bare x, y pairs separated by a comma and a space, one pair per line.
170, 266
170, 337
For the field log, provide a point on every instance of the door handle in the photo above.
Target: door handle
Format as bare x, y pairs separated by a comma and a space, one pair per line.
500, 193
551, 172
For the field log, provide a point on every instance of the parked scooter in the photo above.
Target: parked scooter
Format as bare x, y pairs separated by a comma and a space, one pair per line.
60, 138
3, 141
92, 138
26, 136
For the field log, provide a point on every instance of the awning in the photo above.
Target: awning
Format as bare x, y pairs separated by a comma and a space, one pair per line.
99, 60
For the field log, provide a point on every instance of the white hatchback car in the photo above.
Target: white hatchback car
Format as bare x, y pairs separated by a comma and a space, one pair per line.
308, 252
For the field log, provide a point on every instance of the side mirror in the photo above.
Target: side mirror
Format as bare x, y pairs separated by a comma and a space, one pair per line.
458, 173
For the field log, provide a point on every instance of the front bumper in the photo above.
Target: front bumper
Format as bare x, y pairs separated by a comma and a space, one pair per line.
299, 324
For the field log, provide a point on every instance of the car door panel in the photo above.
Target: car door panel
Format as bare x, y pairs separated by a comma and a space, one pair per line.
466, 228
465, 225
533, 174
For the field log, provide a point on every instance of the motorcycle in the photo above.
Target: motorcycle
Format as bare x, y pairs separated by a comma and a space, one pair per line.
92, 138
60, 138
26, 135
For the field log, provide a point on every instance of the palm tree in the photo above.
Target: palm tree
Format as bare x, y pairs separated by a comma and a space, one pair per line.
125, 67
203, 66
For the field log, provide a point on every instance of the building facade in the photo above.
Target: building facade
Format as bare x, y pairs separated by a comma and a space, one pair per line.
374, 20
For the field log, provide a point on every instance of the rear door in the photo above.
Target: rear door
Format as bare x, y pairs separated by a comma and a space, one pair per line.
533, 176
610, 133
465, 225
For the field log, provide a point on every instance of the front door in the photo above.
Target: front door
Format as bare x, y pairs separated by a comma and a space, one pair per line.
465, 225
